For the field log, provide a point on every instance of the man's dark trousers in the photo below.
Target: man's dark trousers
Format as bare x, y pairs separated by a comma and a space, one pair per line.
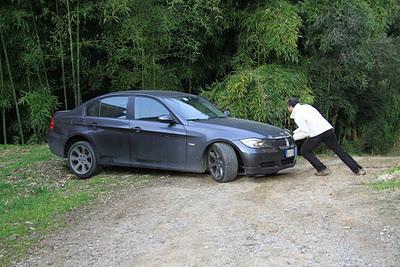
329, 138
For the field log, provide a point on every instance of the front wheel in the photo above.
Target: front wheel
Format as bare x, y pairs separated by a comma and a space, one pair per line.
82, 159
222, 162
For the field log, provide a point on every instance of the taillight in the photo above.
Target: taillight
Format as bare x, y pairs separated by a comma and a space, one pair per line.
52, 124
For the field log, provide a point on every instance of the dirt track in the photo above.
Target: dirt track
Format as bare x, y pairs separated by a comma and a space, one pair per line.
293, 218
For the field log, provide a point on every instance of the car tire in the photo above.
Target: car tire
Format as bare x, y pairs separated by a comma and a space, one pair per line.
222, 162
82, 159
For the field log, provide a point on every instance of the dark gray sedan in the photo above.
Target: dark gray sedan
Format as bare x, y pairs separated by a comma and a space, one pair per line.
170, 131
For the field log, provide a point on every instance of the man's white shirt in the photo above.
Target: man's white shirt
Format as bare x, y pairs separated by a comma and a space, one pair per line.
310, 122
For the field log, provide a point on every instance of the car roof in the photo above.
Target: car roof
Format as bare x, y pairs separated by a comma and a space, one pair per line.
155, 93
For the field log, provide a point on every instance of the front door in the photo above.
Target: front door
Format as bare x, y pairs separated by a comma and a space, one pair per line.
154, 143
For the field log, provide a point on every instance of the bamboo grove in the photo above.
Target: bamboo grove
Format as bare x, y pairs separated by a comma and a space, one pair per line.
249, 56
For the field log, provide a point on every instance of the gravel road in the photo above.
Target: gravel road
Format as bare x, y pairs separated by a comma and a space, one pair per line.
293, 218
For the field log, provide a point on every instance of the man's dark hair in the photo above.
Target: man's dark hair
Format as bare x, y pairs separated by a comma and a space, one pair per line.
293, 101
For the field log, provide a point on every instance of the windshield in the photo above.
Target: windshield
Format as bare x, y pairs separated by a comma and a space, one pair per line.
194, 108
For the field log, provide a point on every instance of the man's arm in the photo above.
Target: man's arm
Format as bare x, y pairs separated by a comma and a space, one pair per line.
298, 134
303, 131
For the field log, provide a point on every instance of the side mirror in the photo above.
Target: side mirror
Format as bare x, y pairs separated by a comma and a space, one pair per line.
166, 118
227, 112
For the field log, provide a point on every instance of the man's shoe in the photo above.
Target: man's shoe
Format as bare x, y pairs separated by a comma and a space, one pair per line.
361, 171
324, 172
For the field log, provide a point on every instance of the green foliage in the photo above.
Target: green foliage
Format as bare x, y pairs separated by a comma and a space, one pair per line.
41, 104
381, 108
385, 185
346, 53
350, 51
270, 32
5, 92
391, 181
261, 94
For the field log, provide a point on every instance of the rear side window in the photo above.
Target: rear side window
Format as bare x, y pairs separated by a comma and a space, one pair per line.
148, 109
110, 107
93, 109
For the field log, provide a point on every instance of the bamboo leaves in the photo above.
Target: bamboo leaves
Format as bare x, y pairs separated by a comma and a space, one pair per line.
271, 33
41, 104
260, 94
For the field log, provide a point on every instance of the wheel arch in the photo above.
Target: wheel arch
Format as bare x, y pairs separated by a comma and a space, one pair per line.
76, 138
235, 148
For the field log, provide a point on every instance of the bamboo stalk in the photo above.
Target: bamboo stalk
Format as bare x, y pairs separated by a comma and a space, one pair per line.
3, 108
3, 113
28, 79
62, 64
154, 73
40, 46
21, 132
142, 68
72, 53
39, 77
78, 83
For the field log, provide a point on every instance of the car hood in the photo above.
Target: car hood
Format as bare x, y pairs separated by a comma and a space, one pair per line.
245, 127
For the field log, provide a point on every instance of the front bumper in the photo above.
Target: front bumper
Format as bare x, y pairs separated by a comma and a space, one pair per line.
264, 161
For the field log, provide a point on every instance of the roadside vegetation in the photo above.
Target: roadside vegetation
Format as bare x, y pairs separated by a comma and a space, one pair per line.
389, 180
37, 191
249, 56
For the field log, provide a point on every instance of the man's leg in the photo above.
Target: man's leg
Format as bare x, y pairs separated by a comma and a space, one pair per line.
330, 140
299, 144
307, 152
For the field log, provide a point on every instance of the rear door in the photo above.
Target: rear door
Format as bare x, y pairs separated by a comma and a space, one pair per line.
154, 143
109, 127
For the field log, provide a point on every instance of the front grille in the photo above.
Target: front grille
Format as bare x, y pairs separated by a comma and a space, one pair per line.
280, 142
287, 161
267, 164
283, 142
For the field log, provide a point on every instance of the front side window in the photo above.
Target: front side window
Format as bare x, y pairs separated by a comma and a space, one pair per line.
194, 108
110, 107
148, 109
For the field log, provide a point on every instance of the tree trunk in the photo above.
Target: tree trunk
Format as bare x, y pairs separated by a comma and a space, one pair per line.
71, 47
21, 132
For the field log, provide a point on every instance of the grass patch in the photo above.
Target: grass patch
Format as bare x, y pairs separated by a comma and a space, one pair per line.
392, 181
389, 184
37, 190
393, 170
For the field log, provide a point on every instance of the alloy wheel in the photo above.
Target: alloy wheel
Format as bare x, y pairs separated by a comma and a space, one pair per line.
216, 164
81, 159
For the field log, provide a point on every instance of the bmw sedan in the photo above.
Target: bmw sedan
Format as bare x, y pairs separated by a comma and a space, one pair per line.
170, 131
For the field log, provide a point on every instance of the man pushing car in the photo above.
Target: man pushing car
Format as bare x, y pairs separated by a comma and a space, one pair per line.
315, 129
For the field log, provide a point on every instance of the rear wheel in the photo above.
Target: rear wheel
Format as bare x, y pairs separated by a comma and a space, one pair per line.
222, 162
82, 159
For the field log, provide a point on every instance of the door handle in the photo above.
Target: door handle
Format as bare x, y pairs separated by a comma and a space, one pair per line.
93, 124
136, 129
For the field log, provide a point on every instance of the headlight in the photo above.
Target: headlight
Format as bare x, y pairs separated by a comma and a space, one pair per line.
288, 132
257, 143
